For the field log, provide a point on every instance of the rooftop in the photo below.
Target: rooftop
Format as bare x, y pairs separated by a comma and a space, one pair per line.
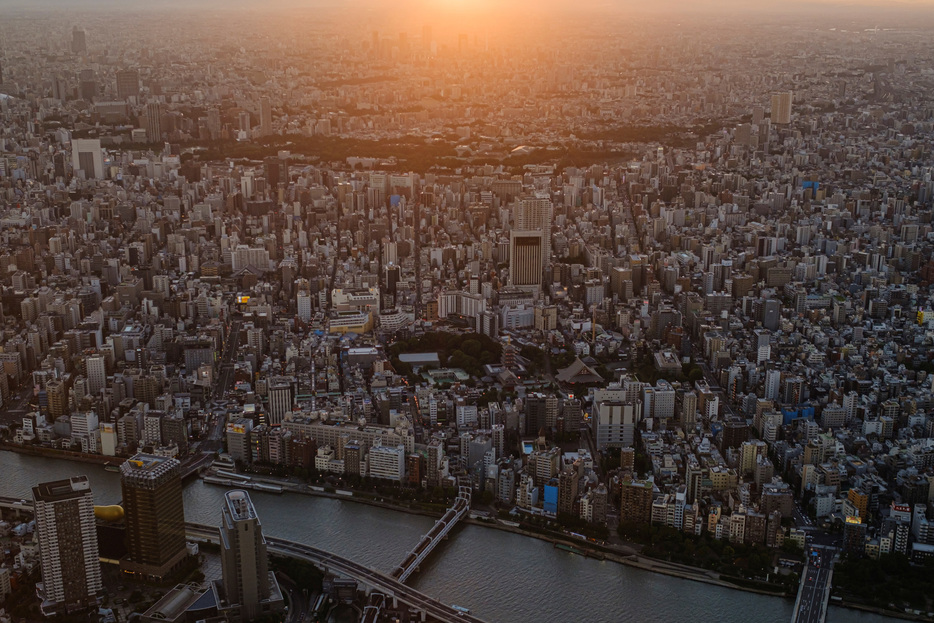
56, 490
239, 505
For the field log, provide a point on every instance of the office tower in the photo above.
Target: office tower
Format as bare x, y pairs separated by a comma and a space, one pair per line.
86, 155
793, 390
155, 516
87, 85
154, 122
276, 172
127, 84
60, 89
614, 423
773, 379
771, 314
175, 432
249, 590
537, 214
79, 44
271, 172
525, 259
393, 276
265, 116
280, 399
781, 107
688, 410
214, 123
96, 372
303, 305
67, 537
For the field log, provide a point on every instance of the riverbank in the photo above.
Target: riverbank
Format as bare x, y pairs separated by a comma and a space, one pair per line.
632, 559
880, 611
345, 529
68, 455
627, 556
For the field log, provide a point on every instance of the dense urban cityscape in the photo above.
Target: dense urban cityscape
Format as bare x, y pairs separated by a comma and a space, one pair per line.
655, 290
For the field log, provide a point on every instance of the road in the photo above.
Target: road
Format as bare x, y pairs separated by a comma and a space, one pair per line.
195, 462
298, 604
814, 592
336, 564
225, 372
225, 377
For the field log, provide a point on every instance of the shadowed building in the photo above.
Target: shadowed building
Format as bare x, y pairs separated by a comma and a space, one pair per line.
155, 516
249, 590
67, 537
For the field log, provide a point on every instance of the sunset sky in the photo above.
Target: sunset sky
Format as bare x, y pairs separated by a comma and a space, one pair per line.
480, 5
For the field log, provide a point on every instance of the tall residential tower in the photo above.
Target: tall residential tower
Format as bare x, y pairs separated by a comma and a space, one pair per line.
67, 536
249, 590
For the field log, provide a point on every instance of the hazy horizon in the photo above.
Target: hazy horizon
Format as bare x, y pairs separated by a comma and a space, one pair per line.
473, 6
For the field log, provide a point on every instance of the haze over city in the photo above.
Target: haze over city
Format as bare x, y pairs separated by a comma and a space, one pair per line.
450, 310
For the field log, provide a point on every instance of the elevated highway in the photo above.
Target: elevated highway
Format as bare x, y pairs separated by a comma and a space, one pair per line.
390, 587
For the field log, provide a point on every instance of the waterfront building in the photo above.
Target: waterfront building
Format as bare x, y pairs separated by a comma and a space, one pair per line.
154, 514
67, 536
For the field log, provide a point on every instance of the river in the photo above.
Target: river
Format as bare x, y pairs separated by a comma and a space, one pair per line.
501, 577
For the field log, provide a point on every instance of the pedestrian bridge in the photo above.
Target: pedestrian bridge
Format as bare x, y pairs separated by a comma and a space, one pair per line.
437, 534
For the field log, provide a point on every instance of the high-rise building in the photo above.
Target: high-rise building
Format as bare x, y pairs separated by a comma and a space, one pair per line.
568, 481
303, 305
67, 537
87, 85
688, 410
214, 123
435, 462
636, 501
280, 398
154, 122
526, 250
265, 116
781, 107
58, 398
271, 166
387, 462
95, 367
155, 515
79, 44
615, 418
773, 379
248, 590
86, 155
127, 84
536, 214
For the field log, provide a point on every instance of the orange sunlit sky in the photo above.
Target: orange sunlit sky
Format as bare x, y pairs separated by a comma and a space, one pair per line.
477, 6
492, 16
